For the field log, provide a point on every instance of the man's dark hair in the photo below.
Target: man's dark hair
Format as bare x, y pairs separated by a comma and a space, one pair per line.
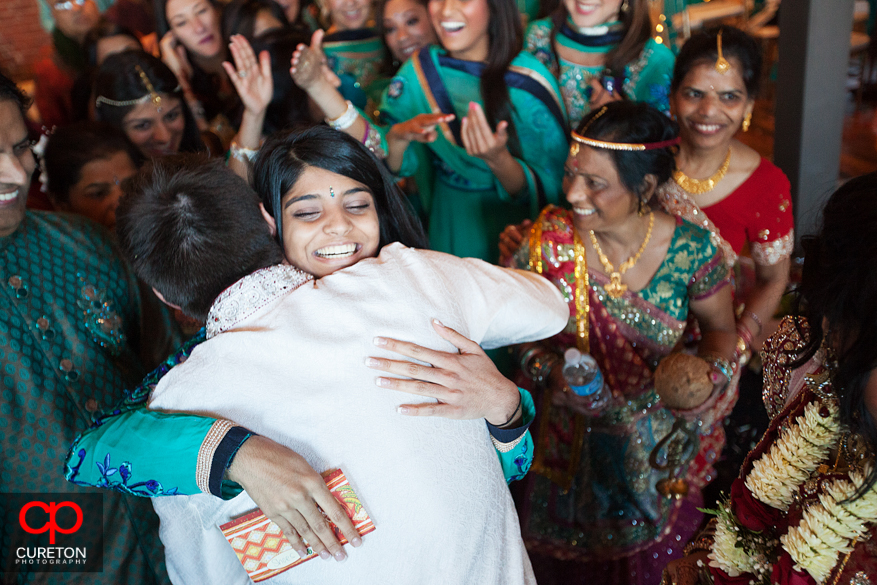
191, 228
10, 91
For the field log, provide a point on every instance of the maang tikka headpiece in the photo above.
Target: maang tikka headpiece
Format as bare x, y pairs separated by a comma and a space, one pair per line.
151, 94
722, 65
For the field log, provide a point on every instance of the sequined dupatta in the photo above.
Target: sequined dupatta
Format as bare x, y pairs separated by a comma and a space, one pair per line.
675, 201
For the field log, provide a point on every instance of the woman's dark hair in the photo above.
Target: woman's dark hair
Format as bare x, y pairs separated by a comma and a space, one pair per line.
72, 147
239, 17
638, 123
506, 41
839, 285
284, 157
289, 105
162, 26
637, 30
206, 86
104, 29
119, 80
703, 48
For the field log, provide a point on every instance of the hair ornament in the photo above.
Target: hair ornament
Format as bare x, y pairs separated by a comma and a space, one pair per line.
722, 65
151, 94
630, 146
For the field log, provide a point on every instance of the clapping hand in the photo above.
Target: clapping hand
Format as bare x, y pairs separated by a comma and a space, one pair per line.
479, 140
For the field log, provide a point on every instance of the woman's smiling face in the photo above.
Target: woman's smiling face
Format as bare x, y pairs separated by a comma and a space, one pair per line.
329, 222
594, 190
407, 28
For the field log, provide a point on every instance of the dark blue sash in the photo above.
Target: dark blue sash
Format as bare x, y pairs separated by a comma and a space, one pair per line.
610, 38
512, 78
344, 36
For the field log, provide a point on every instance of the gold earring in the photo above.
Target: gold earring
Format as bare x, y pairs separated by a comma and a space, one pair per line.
643, 207
747, 121
625, 6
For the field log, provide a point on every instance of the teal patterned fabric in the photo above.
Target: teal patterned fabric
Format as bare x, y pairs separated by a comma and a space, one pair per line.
69, 310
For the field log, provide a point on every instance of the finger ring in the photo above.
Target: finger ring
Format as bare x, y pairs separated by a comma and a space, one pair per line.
242, 74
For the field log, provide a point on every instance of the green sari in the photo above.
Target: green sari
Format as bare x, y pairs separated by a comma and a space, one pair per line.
469, 206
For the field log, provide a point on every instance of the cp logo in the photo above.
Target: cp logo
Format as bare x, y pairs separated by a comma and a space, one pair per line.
51, 525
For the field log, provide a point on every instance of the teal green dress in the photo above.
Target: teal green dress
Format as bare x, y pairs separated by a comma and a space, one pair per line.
469, 206
647, 79
357, 57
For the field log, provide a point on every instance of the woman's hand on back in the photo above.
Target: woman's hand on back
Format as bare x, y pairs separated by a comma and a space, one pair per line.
466, 384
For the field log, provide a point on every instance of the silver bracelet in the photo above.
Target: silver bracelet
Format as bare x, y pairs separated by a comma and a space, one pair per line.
345, 120
242, 154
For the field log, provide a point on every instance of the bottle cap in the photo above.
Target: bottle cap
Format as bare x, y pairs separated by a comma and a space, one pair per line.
572, 356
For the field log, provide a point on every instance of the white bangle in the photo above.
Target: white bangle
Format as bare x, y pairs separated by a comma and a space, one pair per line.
242, 154
345, 120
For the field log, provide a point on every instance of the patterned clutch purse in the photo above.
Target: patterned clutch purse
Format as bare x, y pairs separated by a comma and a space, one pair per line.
261, 546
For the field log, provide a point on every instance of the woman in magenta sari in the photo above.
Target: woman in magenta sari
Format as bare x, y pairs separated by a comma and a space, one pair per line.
631, 276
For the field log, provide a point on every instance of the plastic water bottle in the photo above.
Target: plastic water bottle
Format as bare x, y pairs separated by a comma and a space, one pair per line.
585, 379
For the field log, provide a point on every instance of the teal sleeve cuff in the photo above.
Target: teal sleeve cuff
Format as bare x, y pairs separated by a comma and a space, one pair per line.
514, 447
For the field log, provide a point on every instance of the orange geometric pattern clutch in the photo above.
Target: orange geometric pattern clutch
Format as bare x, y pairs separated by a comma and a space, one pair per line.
261, 546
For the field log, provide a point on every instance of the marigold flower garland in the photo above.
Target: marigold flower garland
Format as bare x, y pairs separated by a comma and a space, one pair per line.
776, 477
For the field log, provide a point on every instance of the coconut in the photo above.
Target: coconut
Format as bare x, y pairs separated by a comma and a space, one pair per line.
683, 381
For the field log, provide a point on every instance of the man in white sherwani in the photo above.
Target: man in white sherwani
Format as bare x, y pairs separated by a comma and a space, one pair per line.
285, 358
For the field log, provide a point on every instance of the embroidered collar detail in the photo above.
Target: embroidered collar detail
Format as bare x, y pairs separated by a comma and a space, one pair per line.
250, 294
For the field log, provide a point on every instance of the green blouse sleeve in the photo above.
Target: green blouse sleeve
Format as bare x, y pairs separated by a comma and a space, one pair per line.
514, 447
137, 451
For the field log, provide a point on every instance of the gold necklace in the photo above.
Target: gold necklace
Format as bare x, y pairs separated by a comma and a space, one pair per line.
701, 186
615, 288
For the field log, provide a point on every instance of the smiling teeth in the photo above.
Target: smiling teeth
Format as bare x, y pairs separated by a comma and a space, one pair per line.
707, 127
583, 211
336, 251
453, 26
4, 197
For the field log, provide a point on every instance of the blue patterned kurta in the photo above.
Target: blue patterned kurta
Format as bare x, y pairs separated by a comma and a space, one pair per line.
70, 313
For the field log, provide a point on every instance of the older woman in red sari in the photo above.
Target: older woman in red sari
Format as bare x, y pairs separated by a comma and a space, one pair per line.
631, 276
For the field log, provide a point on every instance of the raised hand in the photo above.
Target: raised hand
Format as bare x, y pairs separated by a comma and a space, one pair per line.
466, 384
251, 77
479, 140
310, 66
174, 56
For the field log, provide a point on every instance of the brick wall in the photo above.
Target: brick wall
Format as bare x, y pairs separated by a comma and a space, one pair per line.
21, 37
